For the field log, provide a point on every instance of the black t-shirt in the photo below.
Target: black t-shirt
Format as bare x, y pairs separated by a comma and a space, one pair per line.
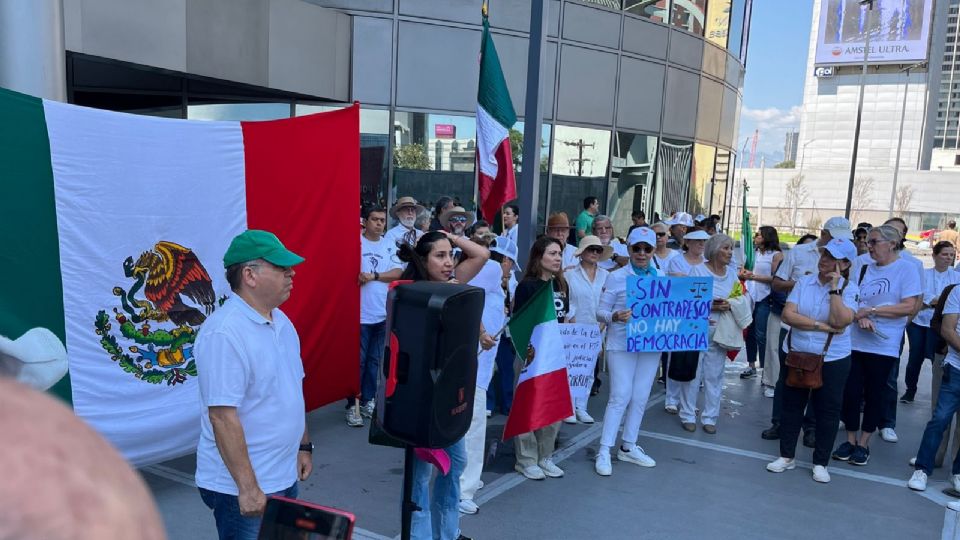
528, 286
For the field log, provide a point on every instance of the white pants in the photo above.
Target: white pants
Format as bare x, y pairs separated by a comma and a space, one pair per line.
711, 372
631, 378
673, 390
771, 362
475, 441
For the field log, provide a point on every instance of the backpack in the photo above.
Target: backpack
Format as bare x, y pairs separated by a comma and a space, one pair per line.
936, 322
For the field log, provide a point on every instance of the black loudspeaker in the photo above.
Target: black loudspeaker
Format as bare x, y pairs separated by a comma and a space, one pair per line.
429, 369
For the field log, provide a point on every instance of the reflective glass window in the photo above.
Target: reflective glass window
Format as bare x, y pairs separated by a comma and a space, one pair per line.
516, 147
610, 4
718, 22
700, 179
434, 156
674, 165
689, 15
737, 13
655, 10
721, 177
205, 109
579, 168
631, 179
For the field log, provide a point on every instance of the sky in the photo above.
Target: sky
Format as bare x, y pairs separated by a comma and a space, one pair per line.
776, 66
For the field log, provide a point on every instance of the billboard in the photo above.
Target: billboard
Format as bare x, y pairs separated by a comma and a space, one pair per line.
718, 22
899, 32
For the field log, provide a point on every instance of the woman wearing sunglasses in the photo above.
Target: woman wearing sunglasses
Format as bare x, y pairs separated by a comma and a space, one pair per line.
586, 283
631, 373
726, 286
663, 254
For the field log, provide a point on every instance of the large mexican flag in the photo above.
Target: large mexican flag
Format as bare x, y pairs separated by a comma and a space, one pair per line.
542, 396
113, 229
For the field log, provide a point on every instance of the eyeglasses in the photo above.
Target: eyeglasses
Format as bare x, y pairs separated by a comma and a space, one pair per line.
594, 249
637, 248
459, 219
874, 241
661, 234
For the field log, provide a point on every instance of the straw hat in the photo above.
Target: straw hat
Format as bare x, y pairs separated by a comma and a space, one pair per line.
404, 202
591, 240
43, 355
457, 211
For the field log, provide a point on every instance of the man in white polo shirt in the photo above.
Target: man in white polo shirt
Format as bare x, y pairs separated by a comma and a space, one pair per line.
253, 436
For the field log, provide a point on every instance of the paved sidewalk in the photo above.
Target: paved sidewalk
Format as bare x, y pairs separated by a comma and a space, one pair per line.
703, 485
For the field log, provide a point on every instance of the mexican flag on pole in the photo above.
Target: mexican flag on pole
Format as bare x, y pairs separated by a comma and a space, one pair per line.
746, 234
495, 117
114, 228
543, 389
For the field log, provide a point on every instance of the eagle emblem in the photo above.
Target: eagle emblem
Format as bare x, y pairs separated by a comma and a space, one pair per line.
160, 327
531, 353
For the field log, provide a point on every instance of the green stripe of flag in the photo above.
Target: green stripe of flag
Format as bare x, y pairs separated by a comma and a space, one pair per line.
539, 309
493, 94
29, 231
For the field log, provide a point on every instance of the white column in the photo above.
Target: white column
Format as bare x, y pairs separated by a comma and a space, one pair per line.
31, 38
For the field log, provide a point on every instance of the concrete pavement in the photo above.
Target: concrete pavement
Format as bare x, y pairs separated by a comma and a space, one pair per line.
703, 485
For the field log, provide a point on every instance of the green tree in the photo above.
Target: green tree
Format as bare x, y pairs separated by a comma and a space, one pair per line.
516, 148
789, 164
411, 156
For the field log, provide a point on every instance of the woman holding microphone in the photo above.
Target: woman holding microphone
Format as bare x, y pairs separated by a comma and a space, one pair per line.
631, 373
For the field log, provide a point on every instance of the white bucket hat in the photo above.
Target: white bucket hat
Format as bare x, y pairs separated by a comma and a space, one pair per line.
697, 235
507, 248
43, 355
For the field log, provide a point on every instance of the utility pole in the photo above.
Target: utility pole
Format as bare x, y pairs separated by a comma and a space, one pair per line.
856, 129
580, 159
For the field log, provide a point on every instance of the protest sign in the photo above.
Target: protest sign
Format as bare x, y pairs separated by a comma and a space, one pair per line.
581, 344
668, 313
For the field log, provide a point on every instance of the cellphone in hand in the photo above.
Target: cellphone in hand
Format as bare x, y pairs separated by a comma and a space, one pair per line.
293, 519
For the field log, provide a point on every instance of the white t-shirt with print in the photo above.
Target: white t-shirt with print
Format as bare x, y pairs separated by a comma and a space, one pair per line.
952, 307
886, 285
812, 299
375, 257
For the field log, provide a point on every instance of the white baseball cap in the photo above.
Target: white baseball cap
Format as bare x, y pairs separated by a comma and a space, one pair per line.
841, 248
43, 355
838, 227
681, 218
642, 234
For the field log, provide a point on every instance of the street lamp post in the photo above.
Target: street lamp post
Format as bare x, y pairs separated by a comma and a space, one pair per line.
903, 115
856, 129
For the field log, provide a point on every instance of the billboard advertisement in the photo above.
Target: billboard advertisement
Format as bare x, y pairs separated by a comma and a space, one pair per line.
718, 22
899, 32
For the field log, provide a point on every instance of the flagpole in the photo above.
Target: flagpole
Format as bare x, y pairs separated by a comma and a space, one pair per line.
532, 127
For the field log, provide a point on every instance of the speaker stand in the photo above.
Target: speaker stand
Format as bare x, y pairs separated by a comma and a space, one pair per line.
407, 507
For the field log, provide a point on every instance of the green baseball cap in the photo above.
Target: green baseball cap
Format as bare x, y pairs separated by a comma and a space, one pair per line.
254, 244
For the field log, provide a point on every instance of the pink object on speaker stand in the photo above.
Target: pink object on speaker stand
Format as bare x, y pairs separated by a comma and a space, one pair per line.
436, 457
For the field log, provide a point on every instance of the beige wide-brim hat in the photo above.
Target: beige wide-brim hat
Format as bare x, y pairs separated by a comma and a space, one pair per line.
591, 240
457, 211
43, 356
404, 202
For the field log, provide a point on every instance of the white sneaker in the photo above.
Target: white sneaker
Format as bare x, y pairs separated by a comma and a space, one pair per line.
955, 480
603, 465
480, 485
671, 409
636, 455
781, 464
918, 482
366, 410
572, 419
583, 416
889, 435
912, 461
550, 469
467, 506
820, 474
768, 392
532, 472
353, 418
489, 413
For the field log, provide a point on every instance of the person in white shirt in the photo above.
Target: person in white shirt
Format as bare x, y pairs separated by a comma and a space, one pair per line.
800, 261
948, 401
686, 260
888, 293
662, 255
923, 340
586, 283
680, 224
405, 211
603, 229
819, 310
631, 373
379, 265
718, 252
766, 257
510, 216
558, 227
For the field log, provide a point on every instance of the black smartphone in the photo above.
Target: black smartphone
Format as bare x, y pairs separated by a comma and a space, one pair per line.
293, 519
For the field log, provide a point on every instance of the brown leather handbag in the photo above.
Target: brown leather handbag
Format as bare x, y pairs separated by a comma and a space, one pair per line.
805, 370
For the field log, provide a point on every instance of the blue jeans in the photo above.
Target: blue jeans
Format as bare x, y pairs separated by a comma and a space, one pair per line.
439, 514
372, 338
756, 338
226, 511
502, 384
948, 402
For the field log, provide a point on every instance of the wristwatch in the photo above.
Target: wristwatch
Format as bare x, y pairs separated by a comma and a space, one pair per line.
376, 276
836, 292
307, 447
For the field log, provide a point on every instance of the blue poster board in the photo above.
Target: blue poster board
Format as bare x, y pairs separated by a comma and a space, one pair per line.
668, 313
